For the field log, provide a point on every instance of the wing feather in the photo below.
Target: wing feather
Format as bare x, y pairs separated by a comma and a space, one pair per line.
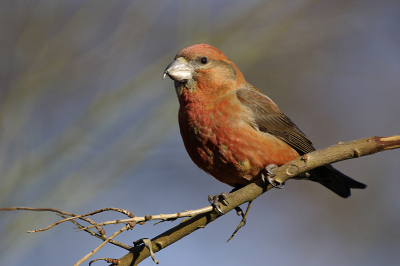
268, 118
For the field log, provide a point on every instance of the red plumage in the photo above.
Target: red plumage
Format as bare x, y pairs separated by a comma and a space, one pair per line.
233, 131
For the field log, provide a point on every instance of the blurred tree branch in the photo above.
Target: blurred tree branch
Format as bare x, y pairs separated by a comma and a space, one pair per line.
145, 248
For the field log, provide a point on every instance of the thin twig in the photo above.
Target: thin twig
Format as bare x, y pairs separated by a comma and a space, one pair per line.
101, 236
242, 222
162, 217
73, 216
101, 245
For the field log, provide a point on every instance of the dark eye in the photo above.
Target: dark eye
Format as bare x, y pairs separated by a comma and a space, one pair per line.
204, 60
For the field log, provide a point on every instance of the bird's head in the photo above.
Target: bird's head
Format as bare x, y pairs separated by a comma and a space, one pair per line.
204, 69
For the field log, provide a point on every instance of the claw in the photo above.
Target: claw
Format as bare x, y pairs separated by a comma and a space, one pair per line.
215, 201
269, 176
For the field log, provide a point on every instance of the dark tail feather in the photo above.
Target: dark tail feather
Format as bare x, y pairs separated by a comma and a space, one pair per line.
334, 180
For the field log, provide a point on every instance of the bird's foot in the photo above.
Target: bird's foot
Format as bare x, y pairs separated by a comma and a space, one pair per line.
268, 177
216, 200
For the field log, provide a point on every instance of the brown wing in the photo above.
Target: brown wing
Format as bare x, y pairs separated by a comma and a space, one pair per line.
268, 118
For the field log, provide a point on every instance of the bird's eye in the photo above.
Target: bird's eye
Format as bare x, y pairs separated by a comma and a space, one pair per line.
204, 60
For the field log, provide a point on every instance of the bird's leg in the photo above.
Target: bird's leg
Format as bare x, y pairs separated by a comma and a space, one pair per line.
215, 201
269, 176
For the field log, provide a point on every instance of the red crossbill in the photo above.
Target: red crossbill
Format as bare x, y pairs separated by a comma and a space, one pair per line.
233, 131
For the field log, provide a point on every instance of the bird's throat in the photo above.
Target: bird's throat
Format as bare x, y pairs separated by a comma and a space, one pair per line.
188, 86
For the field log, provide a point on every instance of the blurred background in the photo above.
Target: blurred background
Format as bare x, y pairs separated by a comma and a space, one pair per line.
86, 122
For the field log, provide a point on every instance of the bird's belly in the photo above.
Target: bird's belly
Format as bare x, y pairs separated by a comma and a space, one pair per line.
234, 153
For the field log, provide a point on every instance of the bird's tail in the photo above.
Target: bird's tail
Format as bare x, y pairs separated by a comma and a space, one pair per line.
334, 180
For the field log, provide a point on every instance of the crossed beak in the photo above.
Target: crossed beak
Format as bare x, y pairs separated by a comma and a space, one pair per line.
179, 70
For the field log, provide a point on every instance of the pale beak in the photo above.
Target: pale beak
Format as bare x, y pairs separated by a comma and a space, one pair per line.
179, 70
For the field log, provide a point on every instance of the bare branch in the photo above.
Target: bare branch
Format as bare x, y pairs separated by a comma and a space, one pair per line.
339, 152
85, 258
202, 217
64, 214
52, 210
162, 217
102, 236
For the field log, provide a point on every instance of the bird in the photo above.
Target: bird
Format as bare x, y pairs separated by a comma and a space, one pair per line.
232, 130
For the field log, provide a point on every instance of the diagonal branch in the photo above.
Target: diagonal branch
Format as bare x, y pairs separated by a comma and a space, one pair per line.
339, 152
201, 217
